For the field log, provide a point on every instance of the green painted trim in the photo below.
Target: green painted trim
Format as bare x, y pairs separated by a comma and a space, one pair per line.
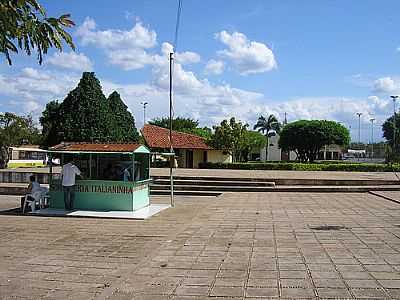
97, 195
142, 149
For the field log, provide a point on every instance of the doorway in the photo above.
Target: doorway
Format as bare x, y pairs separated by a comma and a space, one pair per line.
189, 159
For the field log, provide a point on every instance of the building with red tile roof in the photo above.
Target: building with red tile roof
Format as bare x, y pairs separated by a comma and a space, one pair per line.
190, 149
158, 137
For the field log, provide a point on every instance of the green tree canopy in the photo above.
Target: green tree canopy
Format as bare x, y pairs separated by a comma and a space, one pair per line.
179, 123
50, 121
25, 25
14, 131
124, 128
307, 138
86, 115
387, 128
231, 137
253, 141
264, 125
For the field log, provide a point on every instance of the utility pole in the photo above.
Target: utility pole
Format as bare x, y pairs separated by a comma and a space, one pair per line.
171, 149
144, 112
394, 98
372, 137
359, 127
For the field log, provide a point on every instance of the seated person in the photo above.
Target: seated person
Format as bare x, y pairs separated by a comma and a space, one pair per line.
33, 187
126, 174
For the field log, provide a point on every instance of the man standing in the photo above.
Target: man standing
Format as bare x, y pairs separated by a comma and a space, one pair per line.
69, 171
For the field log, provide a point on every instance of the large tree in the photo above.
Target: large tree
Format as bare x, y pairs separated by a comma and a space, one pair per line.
51, 124
265, 125
307, 138
25, 25
182, 124
387, 128
230, 136
14, 131
253, 141
179, 123
123, 127
87, 115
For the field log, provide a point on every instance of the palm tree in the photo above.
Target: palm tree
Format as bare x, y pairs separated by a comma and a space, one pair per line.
265, 125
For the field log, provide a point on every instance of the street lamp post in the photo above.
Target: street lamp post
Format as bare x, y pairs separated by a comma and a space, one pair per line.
359, 127
144, 112
372, 137
394, 98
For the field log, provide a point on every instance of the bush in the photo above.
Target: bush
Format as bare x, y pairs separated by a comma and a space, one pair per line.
294, 166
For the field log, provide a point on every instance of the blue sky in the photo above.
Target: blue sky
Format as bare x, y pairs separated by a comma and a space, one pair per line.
311, 59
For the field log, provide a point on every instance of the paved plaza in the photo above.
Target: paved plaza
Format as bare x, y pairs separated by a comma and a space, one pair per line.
238, 245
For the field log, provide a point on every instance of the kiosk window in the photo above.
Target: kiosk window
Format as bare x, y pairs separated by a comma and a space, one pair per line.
113, 167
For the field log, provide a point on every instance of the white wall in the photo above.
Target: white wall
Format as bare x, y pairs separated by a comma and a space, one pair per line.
215, 156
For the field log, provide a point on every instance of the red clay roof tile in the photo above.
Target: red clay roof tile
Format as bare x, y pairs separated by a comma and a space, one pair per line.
158, 137
96, 147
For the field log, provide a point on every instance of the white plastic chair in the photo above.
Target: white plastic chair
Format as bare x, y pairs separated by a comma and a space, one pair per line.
31, 200
40, 197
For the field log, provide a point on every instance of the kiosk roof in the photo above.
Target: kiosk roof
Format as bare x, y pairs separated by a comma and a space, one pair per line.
96, 147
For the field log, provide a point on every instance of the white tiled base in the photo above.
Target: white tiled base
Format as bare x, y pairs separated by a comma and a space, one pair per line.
141, 214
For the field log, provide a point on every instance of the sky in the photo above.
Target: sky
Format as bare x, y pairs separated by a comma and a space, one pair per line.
310, 59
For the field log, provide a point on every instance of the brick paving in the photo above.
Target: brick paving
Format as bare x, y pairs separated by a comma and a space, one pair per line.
236, 246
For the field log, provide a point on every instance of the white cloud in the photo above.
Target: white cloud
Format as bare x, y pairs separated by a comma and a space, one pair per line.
138, 37
124, 48
30, 73
387, 85
31, 89
71, 60
214, 67
132, 59
248, 57
187, 57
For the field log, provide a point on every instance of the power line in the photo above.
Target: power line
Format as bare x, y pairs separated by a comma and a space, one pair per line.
175, 44
178, 19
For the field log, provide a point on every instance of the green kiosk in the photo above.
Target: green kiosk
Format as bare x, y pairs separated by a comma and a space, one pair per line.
114, 177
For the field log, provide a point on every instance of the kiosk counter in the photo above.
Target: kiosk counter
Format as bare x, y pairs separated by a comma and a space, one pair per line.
114, 177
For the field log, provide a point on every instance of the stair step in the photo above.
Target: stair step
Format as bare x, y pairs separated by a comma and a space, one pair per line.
283, 181
213, 178
213, 183
212, 188
186, 193
310, 189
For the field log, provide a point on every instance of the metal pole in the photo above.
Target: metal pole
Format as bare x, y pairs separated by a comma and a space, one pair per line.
144, 112
171, 149
372, 137
359, 128
144, 115
394, 122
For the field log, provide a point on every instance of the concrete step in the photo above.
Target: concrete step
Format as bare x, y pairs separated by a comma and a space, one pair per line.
300, 189
213, 188
186, 193
213, 183
283, 181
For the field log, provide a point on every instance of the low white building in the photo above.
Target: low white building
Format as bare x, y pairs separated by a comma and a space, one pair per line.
328, 152
274, 152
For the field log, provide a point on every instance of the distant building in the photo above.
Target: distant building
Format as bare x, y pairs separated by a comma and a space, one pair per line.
274, 152
191, 150
328, 152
